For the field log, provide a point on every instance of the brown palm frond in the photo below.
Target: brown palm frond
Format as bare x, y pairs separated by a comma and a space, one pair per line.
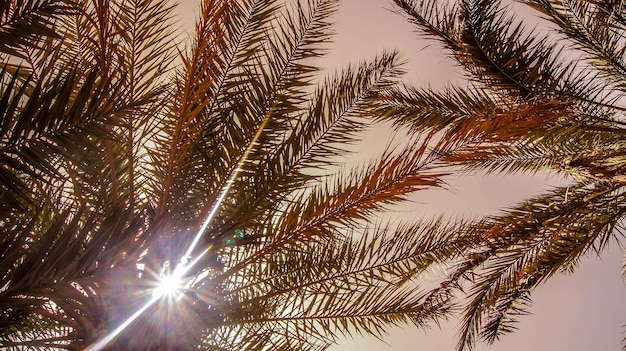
356, 196
24, 24
528, 245
123, 161
528, 108
326, 290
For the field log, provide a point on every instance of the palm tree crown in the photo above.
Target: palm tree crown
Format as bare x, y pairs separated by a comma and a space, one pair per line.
121, 166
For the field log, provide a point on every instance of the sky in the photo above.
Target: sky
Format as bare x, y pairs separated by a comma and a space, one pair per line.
580, 312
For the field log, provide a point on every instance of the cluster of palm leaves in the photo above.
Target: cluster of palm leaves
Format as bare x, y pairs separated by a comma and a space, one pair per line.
542, 100
126, 155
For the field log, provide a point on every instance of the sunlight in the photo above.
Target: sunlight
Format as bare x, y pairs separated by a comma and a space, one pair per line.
169, 286
226, 188
107, 339
173, 285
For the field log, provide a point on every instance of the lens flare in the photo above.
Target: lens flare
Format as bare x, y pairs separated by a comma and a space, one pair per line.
169, 286
173, 285
226, 188
109, 337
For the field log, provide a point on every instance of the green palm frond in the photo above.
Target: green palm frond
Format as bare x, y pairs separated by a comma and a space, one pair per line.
532, 118
333, 262
536, 69
328, 125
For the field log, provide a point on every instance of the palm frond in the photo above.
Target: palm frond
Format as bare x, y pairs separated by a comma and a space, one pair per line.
318, 136
360, 193
146, 50
423, 110
45, 122
199, 113
436, 20
339, 287
529, 244
584, 155
522, 63
597, 28
25, 24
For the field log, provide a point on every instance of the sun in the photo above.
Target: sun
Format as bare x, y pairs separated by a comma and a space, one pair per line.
170, 285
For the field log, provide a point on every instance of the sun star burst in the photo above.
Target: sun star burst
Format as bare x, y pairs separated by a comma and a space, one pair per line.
170, 285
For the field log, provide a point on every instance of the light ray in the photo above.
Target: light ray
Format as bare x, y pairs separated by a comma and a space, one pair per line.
185, 265
170, 285
107, 339
156, 295
226, 188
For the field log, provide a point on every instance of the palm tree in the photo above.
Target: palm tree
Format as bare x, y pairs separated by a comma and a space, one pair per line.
542, 100
130, 160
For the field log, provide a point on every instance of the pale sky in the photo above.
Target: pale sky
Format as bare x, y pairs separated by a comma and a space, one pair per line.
580, 312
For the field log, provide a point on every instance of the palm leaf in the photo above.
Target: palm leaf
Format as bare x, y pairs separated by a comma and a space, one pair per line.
311, 290
24, 24
596, 28
522, 63
528, 108
528, 245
